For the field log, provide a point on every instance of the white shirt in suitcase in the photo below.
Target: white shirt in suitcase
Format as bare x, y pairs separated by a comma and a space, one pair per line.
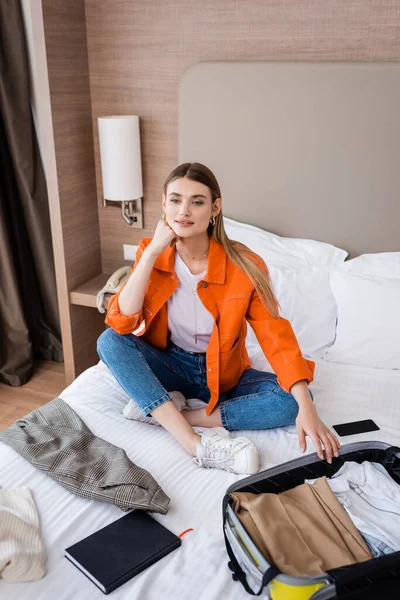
371, 499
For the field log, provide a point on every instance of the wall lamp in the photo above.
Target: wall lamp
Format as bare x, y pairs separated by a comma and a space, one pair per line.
121, 166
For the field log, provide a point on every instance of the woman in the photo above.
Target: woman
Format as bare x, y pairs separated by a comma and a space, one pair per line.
187, 301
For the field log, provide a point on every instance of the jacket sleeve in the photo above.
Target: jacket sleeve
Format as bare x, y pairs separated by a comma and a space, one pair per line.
278, 342
124, 324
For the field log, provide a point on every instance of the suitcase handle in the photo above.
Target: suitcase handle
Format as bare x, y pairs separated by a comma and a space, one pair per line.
391, 462
367, 573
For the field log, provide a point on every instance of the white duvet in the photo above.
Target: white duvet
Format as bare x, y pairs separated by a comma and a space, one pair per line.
198, 569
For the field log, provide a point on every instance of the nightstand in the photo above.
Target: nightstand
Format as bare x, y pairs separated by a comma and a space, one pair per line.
85, 294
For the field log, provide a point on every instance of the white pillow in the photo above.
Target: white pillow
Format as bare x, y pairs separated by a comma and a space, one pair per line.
281, 251
307, 302
368, 327
299, 270
383, 264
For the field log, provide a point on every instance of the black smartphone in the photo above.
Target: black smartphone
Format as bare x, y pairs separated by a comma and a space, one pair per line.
355, 427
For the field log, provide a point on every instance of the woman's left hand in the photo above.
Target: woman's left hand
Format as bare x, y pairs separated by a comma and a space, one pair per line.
309, 423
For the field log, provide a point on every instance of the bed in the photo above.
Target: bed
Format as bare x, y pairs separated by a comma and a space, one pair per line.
199, 568
350, 384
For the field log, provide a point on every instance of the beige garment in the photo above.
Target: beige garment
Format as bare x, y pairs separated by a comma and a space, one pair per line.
303, 531
22, 554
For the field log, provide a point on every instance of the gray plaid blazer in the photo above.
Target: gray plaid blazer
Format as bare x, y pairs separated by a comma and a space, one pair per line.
55, 440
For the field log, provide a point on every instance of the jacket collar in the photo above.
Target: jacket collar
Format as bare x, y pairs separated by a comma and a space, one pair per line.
216, 269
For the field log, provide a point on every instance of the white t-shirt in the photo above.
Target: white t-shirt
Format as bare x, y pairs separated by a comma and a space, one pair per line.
186, 313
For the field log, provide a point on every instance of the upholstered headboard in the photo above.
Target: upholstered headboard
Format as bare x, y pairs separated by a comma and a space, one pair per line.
307, 150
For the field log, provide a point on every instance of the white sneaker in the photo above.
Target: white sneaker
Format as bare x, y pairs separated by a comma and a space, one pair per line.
133, 412
217, 450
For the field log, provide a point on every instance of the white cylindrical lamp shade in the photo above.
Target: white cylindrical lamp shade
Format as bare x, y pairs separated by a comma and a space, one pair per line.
121, 165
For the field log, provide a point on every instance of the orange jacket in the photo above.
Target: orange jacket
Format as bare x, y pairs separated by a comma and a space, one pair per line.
228, 294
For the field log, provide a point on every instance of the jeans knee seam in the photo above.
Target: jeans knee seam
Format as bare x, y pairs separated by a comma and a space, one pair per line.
224, 418
257, 380
230, 400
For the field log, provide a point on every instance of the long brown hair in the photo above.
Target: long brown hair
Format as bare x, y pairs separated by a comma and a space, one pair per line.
237, 252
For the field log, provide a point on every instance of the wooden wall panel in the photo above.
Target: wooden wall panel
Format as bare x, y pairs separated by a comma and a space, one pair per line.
139, 50
72, 193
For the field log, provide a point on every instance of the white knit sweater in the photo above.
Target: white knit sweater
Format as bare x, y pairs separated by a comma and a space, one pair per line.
22, 553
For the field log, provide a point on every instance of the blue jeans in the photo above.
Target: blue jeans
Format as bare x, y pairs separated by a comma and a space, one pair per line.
148, 374
377, 547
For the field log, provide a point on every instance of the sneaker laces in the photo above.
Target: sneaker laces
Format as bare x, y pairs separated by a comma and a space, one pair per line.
218, 456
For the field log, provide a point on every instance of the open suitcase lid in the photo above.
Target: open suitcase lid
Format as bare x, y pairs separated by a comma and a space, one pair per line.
294, 472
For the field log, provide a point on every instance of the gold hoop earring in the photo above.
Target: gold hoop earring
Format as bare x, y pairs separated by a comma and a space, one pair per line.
164, 216
212, 221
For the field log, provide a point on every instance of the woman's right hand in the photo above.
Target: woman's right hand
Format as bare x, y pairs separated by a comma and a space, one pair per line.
163, 235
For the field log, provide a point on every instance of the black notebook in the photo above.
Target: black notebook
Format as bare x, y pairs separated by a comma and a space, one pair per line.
121, 550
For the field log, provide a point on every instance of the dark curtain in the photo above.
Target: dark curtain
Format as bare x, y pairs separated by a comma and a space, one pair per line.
29, 317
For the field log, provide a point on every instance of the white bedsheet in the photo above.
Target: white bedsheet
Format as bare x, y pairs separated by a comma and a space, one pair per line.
197, 570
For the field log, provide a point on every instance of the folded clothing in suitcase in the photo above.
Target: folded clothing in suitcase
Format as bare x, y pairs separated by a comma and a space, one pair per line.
374, 578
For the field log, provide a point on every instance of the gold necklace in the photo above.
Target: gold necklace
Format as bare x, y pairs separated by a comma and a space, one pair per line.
193, 257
